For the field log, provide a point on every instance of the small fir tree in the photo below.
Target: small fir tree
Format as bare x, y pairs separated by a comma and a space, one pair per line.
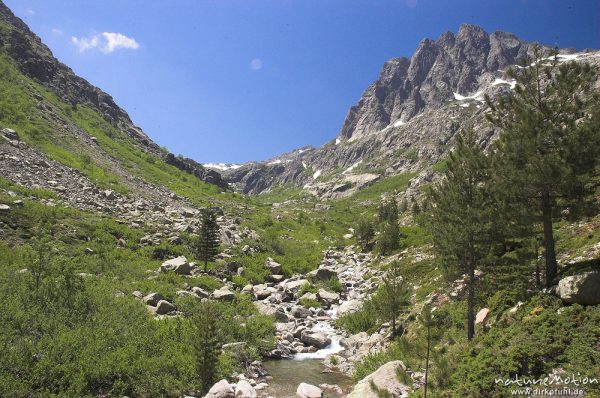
207, 244
364, 233
392, 298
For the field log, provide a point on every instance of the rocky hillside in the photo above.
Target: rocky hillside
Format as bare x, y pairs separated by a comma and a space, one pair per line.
24, 50
406, 120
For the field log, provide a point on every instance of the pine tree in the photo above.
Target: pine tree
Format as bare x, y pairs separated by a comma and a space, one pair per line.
206, 344
364, 233
389, 230
388, 210
427, 321
461, 215
550, 140
389, 238
392, 297
207, 244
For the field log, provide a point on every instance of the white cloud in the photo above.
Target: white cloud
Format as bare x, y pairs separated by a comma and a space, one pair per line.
85, 43
56, 32
106, 42
114, 41
256, 64
30, 11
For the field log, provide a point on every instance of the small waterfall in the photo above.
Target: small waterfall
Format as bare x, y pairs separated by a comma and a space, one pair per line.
329, 330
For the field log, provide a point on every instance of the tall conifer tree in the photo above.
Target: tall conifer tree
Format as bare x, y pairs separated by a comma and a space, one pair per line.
550, 140
461, 215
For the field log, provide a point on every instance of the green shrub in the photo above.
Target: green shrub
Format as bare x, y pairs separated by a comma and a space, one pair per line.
333, 285
307, 302
239, 281
364, 320
307, 288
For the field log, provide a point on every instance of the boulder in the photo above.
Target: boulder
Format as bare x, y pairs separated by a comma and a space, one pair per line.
243, 389
318, 340
482, 316
261, 292
324, 274
305, 390
152, 299
109, 194
295, 285
224, 294
179, 265
309, 296
4, 209
164, 307
274, 278
349, 307
580, 289
10, 134
281, 316
383, 382
233, 266
333, 388
264, 309
185, 293
198, 291
327, 297
221, 390
248, 289
188, 213
300, 312
273, 266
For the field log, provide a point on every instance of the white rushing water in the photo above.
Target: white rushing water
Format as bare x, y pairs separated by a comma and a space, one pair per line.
329, 330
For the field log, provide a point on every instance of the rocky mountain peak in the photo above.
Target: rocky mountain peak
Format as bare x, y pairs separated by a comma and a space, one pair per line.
446, 40
437, 69
467, 30
384, 134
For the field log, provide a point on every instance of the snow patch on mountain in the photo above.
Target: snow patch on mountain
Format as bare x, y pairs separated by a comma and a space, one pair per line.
222, 166
349, 169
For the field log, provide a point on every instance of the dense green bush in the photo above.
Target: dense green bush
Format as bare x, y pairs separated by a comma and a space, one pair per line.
363, 320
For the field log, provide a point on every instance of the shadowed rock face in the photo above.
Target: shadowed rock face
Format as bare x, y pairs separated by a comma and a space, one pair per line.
35, 60
407, 87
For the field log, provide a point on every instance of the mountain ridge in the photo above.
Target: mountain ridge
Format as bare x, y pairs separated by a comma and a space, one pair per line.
440, 82
35, 60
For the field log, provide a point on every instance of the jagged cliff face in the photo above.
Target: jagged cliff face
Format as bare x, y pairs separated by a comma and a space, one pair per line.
407, 119
35, 60
452, 64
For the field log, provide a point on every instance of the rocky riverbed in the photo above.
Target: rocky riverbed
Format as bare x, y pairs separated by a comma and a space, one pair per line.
311, 333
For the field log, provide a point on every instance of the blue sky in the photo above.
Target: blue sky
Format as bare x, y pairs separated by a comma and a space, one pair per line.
241, 80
